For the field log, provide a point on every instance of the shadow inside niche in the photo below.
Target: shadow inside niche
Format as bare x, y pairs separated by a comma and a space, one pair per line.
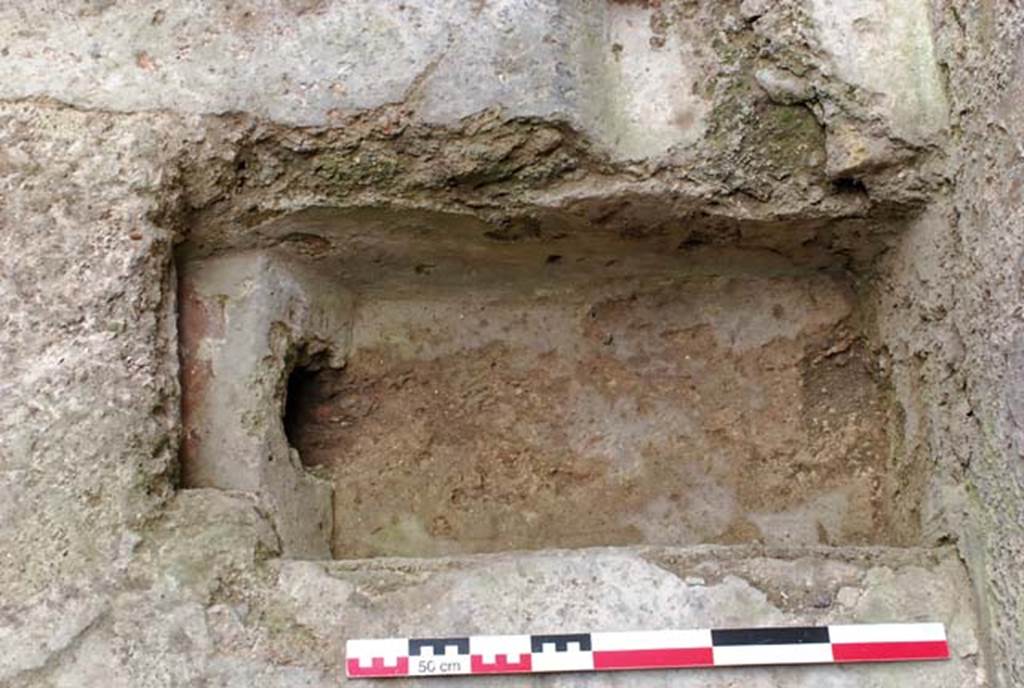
304, 396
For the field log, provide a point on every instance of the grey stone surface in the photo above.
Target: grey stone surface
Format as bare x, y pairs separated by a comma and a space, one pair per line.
88, 399
306, 62
125, 127
292, 60
206, 604
951, 295
251, 319
642, 589
884, 47
631, 75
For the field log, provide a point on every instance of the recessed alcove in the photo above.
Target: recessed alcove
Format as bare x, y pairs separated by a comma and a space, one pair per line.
467, 387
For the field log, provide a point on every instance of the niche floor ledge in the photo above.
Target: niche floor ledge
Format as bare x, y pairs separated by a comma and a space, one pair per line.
634, 588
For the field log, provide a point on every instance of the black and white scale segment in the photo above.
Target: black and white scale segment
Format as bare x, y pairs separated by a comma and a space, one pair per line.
634, 650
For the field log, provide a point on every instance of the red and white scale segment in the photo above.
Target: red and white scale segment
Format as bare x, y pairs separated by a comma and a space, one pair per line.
634, 650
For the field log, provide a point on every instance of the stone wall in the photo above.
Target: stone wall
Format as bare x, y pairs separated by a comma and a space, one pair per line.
796, 128
951, 308
89, 429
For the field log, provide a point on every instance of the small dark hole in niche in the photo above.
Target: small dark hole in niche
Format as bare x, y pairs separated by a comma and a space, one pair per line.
302, 393
849, 185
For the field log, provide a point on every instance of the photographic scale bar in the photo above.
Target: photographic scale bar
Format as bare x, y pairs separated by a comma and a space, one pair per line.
636, 650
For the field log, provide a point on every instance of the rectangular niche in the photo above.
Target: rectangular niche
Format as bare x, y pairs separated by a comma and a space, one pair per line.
585, 390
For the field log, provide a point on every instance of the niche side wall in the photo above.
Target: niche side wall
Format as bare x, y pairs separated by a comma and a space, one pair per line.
246, 320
